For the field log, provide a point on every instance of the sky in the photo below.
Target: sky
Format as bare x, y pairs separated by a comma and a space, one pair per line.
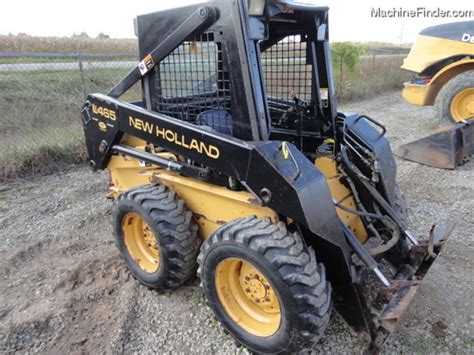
349, 20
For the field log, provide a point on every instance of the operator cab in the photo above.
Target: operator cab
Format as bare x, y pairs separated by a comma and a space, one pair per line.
278, 87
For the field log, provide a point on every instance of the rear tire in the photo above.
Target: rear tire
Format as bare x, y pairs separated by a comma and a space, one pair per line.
156, 236
295, 298
455, 100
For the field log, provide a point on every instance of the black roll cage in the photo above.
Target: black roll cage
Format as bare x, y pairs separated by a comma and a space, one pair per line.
245, 41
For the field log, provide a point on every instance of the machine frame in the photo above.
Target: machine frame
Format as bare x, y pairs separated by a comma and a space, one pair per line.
275, 172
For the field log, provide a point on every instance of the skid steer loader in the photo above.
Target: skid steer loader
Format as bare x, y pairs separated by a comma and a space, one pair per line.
236, 163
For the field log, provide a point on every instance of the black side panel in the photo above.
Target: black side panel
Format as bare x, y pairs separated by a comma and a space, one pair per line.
452, 31
381, 148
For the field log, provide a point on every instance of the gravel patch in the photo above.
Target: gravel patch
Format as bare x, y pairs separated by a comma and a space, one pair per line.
65, 289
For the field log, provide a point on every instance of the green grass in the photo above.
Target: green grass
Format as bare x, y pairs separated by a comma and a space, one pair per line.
40, 126
469, 341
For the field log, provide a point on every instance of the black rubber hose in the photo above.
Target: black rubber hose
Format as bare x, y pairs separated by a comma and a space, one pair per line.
360, 213
358, 248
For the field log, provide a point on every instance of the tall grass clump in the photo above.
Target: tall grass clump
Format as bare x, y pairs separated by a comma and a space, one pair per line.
359, 75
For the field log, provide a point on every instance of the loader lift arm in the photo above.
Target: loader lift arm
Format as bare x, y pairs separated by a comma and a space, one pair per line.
260, 166
203, 17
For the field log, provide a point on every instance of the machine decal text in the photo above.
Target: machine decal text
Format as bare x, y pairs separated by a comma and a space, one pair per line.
174, 137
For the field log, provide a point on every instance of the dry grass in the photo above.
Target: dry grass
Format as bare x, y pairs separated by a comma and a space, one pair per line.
40, 125
31, 44
372, 77
44, 159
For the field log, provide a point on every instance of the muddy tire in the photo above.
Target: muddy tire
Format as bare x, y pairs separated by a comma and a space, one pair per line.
156, 236
250, 267
455, 100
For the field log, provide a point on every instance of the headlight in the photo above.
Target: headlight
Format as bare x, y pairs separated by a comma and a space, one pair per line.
256, 7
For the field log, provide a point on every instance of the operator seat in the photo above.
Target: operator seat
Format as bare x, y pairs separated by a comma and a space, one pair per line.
219, 120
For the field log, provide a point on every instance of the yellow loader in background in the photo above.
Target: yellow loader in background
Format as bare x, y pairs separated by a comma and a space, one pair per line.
443, 60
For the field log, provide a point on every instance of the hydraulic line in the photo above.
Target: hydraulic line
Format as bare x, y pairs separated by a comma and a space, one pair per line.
378, 197
359, 203
385, 220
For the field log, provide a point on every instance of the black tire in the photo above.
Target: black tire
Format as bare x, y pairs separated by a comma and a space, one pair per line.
449, 91
291, 268
399, 252
174, 229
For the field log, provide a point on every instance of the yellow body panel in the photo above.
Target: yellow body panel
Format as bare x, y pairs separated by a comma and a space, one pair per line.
425, 95
212, 205
343, 195
416, 94
429, 50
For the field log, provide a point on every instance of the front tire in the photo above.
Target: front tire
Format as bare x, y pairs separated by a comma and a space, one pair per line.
455, 100
156, 236
265, 286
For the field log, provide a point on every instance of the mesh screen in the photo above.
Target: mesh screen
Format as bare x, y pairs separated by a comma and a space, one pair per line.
192, 84
285, 69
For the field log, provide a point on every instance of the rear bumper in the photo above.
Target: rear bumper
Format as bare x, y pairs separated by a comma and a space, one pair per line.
416, 94
391, 302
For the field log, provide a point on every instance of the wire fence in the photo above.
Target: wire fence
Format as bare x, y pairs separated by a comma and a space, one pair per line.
41, 95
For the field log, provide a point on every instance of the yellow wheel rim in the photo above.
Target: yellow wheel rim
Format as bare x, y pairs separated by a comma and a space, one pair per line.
462, 106
141, 242
248, 297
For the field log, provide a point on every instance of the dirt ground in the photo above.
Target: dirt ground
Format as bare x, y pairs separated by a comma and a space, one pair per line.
64, 288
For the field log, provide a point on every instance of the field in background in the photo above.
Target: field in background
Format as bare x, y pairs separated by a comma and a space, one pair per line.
372, 77
40, 122
79, 44
40, 126
82, 44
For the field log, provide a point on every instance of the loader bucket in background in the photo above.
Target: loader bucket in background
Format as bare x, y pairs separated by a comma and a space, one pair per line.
448, 148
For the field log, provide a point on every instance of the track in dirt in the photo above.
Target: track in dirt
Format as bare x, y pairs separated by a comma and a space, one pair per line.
65, 289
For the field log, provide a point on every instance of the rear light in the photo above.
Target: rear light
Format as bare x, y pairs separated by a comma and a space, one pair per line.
421, 80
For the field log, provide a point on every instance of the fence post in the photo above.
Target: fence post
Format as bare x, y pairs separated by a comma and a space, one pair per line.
83, 80
341, 75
